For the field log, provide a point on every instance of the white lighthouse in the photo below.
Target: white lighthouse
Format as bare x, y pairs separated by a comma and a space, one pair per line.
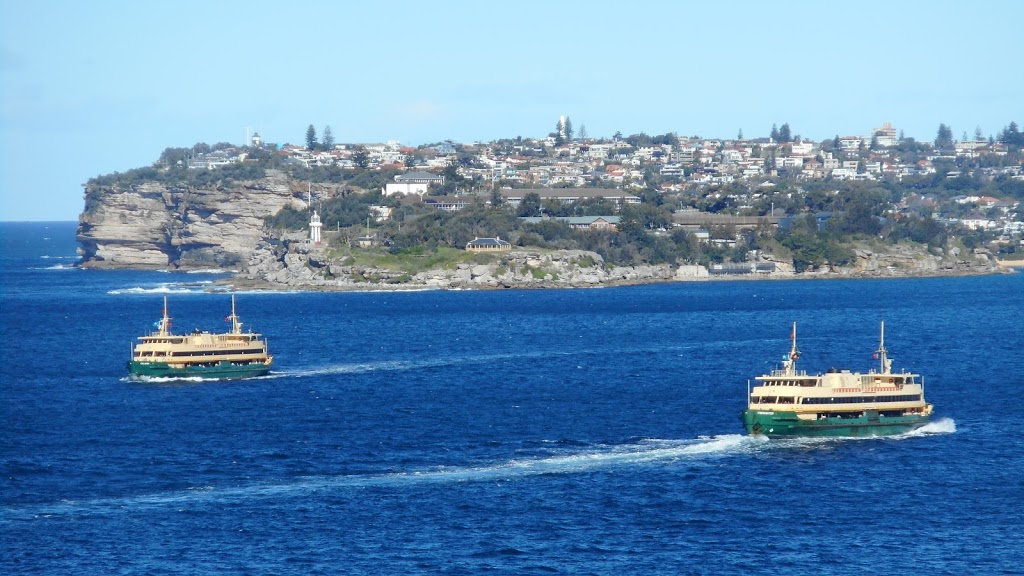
314, 228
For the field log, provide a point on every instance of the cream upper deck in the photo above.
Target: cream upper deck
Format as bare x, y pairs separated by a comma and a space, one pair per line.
200, 347
838, 390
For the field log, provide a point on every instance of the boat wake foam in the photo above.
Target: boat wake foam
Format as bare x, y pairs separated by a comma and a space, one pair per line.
392, 365
581, 458
593, 459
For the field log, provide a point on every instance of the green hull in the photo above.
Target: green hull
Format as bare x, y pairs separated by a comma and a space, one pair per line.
220, 371
786, 424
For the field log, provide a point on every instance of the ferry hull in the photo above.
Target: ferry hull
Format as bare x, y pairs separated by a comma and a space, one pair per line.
220, 371
775, 424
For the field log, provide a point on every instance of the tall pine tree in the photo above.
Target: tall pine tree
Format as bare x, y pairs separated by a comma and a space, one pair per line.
311, 137
328, 138
944, 138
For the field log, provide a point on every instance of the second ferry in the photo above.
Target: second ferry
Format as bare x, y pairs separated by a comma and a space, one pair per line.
200, 354
790, 402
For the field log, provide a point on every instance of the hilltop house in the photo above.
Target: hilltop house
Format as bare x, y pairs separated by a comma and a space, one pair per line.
413, 183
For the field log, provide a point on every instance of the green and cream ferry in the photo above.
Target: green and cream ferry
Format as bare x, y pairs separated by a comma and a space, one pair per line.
200, 354
790, 402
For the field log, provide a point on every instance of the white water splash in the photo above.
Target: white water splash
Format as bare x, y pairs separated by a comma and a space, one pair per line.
940, 426
198, 287
143, 379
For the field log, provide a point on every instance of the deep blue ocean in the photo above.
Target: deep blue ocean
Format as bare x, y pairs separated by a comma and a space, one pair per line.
513, 432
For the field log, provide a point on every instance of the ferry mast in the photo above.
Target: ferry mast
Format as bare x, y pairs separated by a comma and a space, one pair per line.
883, 354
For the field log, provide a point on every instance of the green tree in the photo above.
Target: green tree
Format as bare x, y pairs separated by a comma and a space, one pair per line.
944, 138
568, 129
530, 205
1012, 136
311, 137
784, 133
583, 131
774, 134
360, 157
328, 138
172, 156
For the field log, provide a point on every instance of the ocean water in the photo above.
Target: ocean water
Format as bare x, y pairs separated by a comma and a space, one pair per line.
509, 432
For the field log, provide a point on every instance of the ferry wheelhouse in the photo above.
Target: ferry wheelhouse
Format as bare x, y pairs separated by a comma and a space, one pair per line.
200, 354
790, 402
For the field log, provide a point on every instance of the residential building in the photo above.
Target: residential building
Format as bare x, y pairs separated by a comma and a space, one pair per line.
488, 245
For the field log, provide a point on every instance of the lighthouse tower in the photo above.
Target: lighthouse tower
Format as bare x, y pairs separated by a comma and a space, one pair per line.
314, 228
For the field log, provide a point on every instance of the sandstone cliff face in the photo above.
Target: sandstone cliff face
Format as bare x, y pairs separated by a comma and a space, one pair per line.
153, 225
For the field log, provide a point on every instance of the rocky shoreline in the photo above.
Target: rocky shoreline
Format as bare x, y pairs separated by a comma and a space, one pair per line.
308, 267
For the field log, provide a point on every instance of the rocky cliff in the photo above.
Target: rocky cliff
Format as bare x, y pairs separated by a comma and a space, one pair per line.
149, 224
155, 225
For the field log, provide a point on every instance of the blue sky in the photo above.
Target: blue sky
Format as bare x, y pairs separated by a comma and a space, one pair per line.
90, 88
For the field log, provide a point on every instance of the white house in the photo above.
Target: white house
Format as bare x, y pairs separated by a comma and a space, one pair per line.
413, 183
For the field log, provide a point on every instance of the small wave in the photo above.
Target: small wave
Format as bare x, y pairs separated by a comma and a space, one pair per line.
197, 287
56, 267
59, 257
211, 271
157, 290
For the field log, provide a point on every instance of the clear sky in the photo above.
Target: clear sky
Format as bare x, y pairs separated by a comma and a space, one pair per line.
89, 88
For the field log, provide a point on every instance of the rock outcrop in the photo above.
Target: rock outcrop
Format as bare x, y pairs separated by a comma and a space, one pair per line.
918, 260
153, 225
297, 265
305, 266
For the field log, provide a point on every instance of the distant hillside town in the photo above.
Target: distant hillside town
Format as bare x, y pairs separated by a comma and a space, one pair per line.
975, 182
